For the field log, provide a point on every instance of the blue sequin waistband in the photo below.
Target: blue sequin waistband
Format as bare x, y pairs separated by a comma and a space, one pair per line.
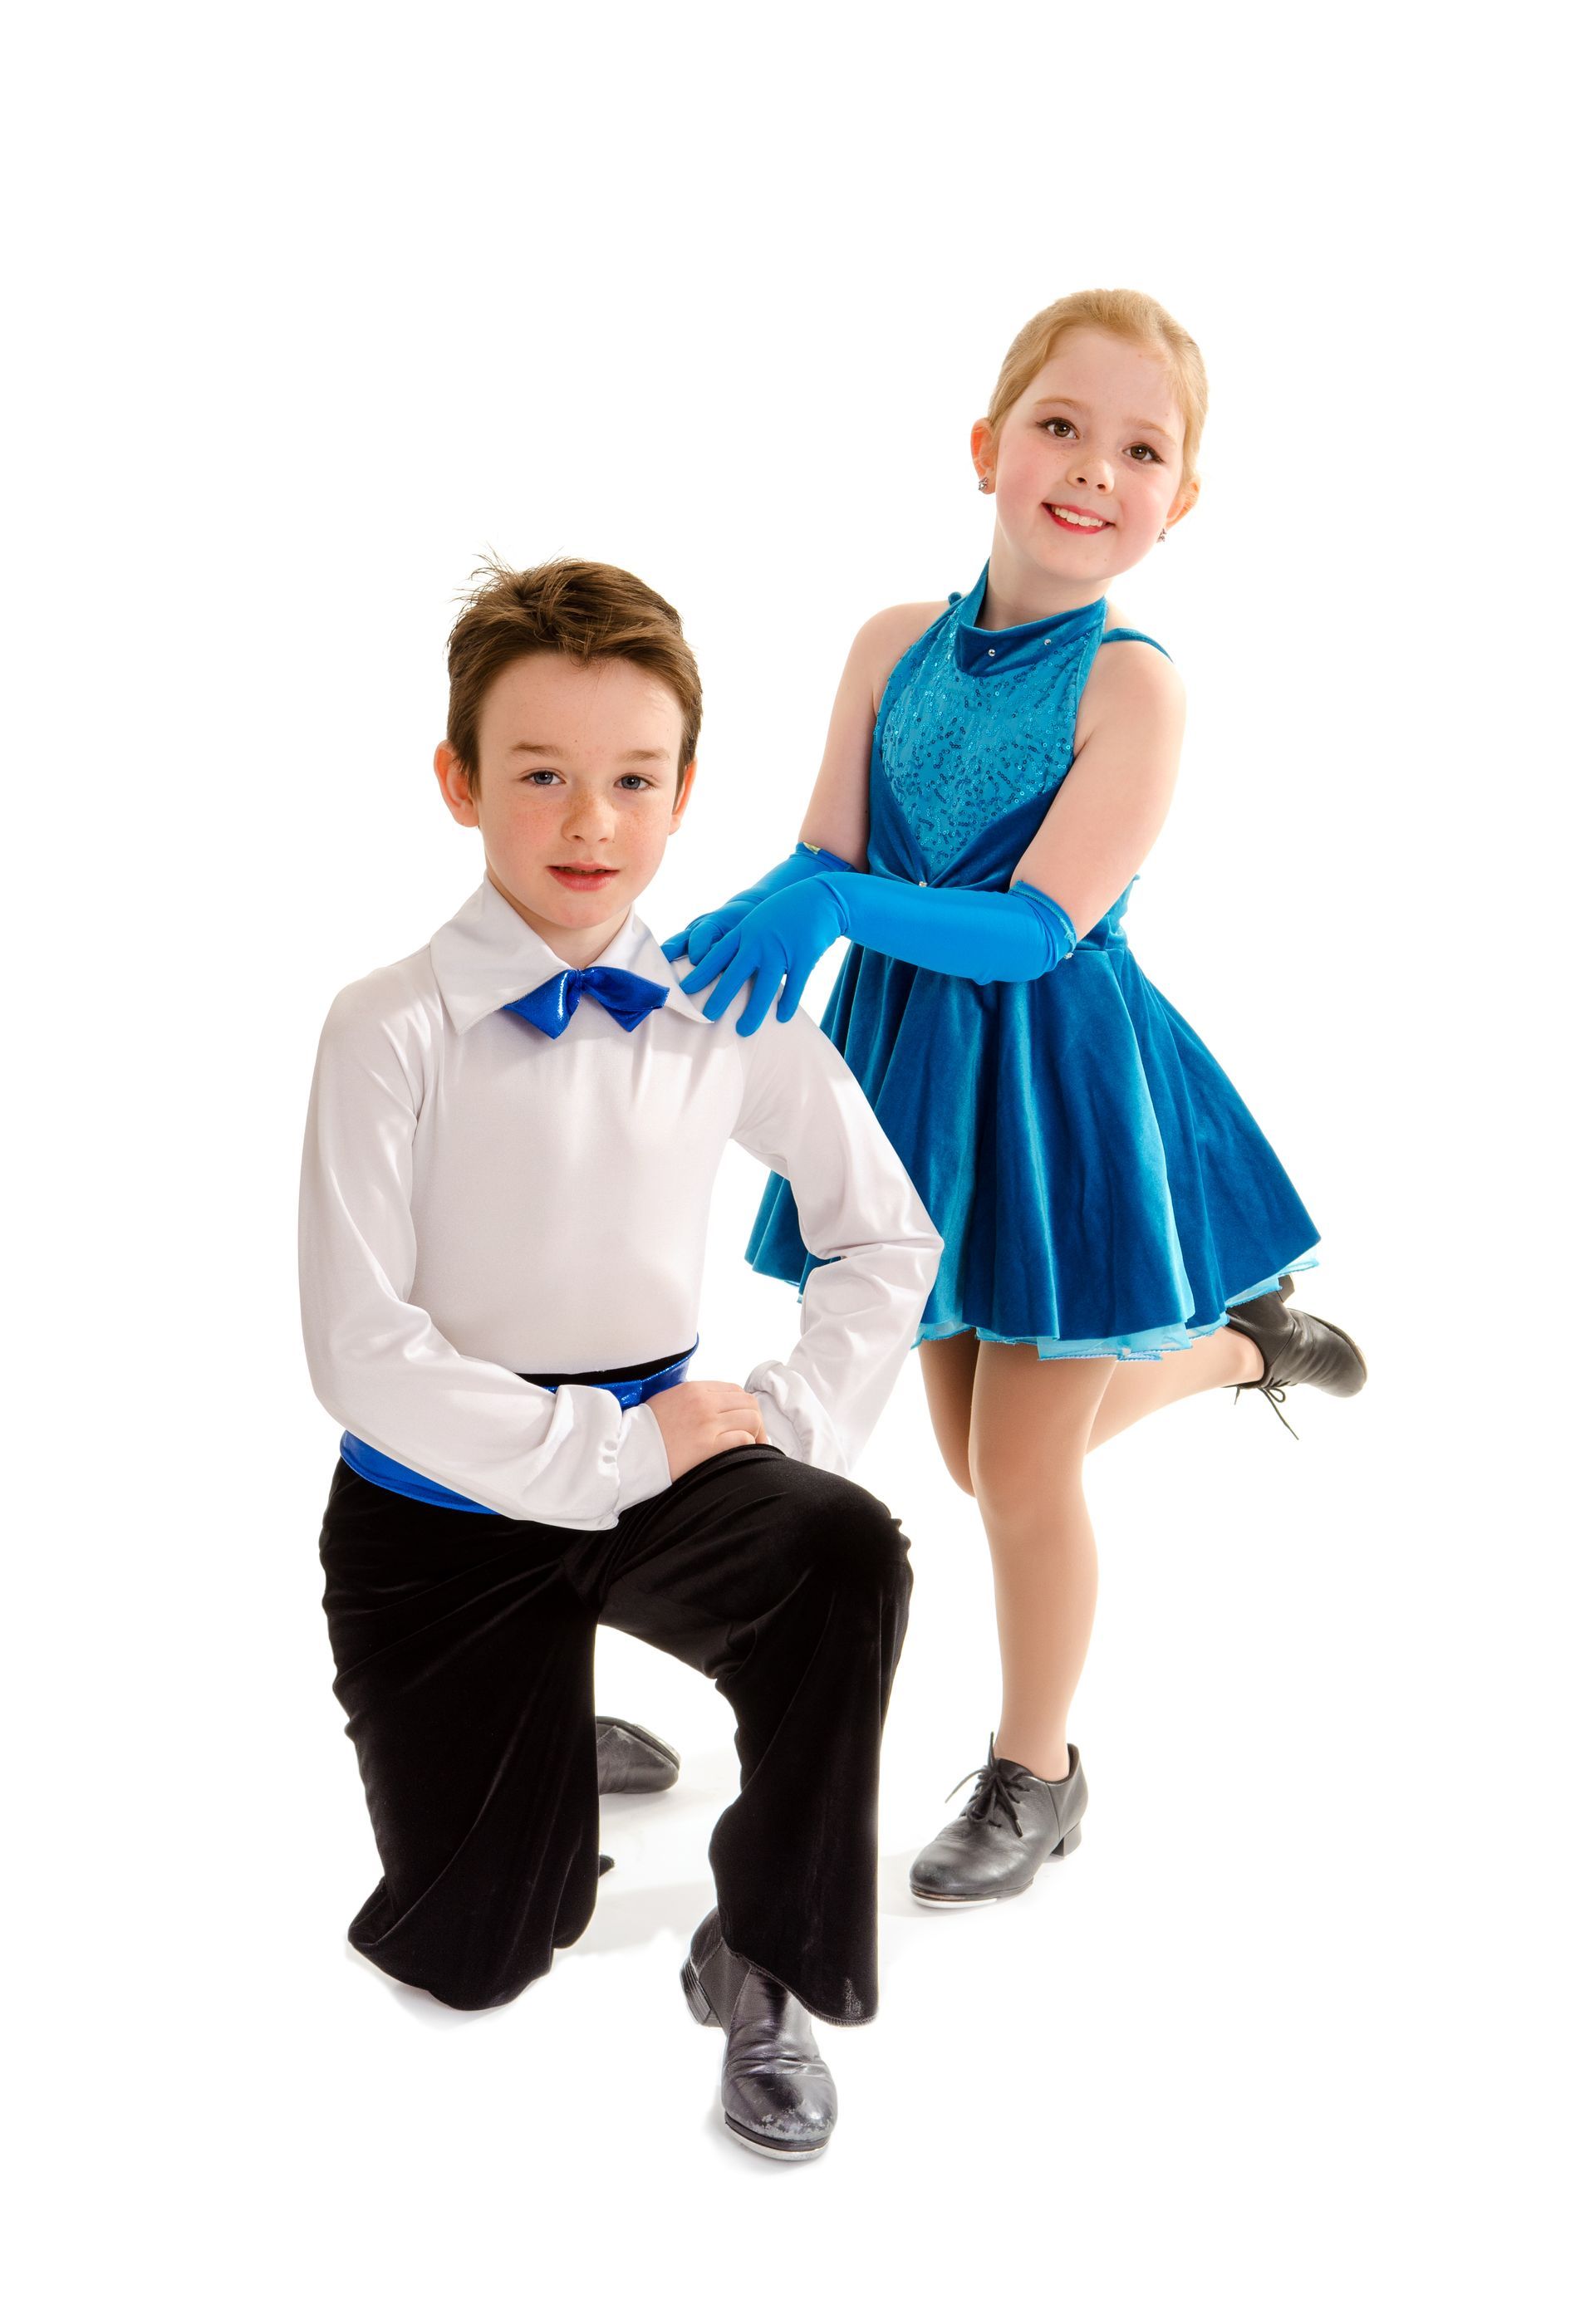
394, 1477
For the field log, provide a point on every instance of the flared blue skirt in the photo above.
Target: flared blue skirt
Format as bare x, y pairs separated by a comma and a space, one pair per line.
1099, 1186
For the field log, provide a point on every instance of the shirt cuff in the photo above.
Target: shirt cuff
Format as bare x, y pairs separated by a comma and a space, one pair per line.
643, 1463
795, 1420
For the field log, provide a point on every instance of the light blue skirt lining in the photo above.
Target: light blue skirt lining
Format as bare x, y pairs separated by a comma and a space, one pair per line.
1128, 1347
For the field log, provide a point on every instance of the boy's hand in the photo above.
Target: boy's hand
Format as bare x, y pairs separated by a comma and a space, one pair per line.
703, 1417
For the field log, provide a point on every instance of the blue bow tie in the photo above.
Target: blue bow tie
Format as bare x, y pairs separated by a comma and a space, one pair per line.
629, 998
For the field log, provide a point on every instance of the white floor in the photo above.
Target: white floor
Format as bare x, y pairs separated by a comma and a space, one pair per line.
1284, 2039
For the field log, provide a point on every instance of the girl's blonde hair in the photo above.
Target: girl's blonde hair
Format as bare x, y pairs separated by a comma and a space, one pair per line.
1129, 315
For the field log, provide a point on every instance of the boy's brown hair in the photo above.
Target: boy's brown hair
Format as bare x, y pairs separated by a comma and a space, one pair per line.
593, 613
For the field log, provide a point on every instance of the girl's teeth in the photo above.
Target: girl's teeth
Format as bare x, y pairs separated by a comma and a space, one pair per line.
1081, 523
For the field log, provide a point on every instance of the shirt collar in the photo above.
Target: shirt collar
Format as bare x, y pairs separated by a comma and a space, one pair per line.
487, 956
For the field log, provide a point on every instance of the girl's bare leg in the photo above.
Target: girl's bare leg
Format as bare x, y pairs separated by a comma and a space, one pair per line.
1030, 1428
1224, 1359
947, 1369
1026, 1417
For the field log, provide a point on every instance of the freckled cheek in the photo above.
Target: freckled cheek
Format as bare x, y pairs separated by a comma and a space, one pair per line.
529, 826
644, 809
533, 812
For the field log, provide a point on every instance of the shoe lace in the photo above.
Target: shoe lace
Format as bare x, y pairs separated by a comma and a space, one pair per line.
1275, 1396
993, 1792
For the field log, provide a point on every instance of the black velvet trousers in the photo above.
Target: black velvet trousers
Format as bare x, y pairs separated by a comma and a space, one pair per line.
464, 1650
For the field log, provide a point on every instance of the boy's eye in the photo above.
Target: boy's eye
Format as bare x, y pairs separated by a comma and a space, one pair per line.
543, 776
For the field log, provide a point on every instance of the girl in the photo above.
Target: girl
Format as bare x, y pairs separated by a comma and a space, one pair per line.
1118, 1231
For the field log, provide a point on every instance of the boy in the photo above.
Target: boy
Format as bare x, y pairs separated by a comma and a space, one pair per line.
512, 1141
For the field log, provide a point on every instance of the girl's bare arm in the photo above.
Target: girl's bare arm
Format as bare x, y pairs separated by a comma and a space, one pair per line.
1100, 829
838, 816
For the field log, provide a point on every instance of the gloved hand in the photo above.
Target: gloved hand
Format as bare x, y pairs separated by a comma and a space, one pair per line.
991, 936
701, 934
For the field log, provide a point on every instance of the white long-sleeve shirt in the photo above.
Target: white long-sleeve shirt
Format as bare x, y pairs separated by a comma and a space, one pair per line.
479, 1199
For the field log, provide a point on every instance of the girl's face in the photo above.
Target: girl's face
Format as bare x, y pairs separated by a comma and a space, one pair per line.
1087, 465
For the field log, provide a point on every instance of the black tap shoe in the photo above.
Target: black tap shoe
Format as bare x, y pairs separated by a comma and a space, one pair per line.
775, 2087
631, 1759
1006, 1829
1297, 1349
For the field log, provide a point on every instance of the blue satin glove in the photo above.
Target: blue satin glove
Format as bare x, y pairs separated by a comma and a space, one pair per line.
699, 935
991, 935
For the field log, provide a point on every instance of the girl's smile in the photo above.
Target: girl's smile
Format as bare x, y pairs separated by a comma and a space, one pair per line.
1087, 470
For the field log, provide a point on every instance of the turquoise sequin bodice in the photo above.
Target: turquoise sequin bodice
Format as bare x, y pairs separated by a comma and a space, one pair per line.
976, 734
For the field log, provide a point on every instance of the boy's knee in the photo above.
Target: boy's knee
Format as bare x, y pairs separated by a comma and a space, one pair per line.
857, 1537
885, 1545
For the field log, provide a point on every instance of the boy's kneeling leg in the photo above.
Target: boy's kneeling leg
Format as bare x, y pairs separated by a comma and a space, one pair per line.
465, 1667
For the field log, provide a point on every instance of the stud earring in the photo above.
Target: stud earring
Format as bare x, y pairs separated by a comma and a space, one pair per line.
983, 484
1163, 534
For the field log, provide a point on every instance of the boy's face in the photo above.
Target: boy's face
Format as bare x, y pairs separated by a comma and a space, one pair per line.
577, 794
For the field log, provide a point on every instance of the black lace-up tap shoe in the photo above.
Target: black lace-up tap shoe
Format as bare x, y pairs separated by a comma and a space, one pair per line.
631, 1759
1297, 1349
775, 2087
1011, 1823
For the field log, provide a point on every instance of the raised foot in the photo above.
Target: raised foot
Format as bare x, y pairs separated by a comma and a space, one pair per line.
1299, 1350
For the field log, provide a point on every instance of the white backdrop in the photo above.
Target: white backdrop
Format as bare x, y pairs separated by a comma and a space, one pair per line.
310, 309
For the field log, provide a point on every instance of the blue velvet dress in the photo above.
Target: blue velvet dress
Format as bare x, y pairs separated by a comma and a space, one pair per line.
1099, 1185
